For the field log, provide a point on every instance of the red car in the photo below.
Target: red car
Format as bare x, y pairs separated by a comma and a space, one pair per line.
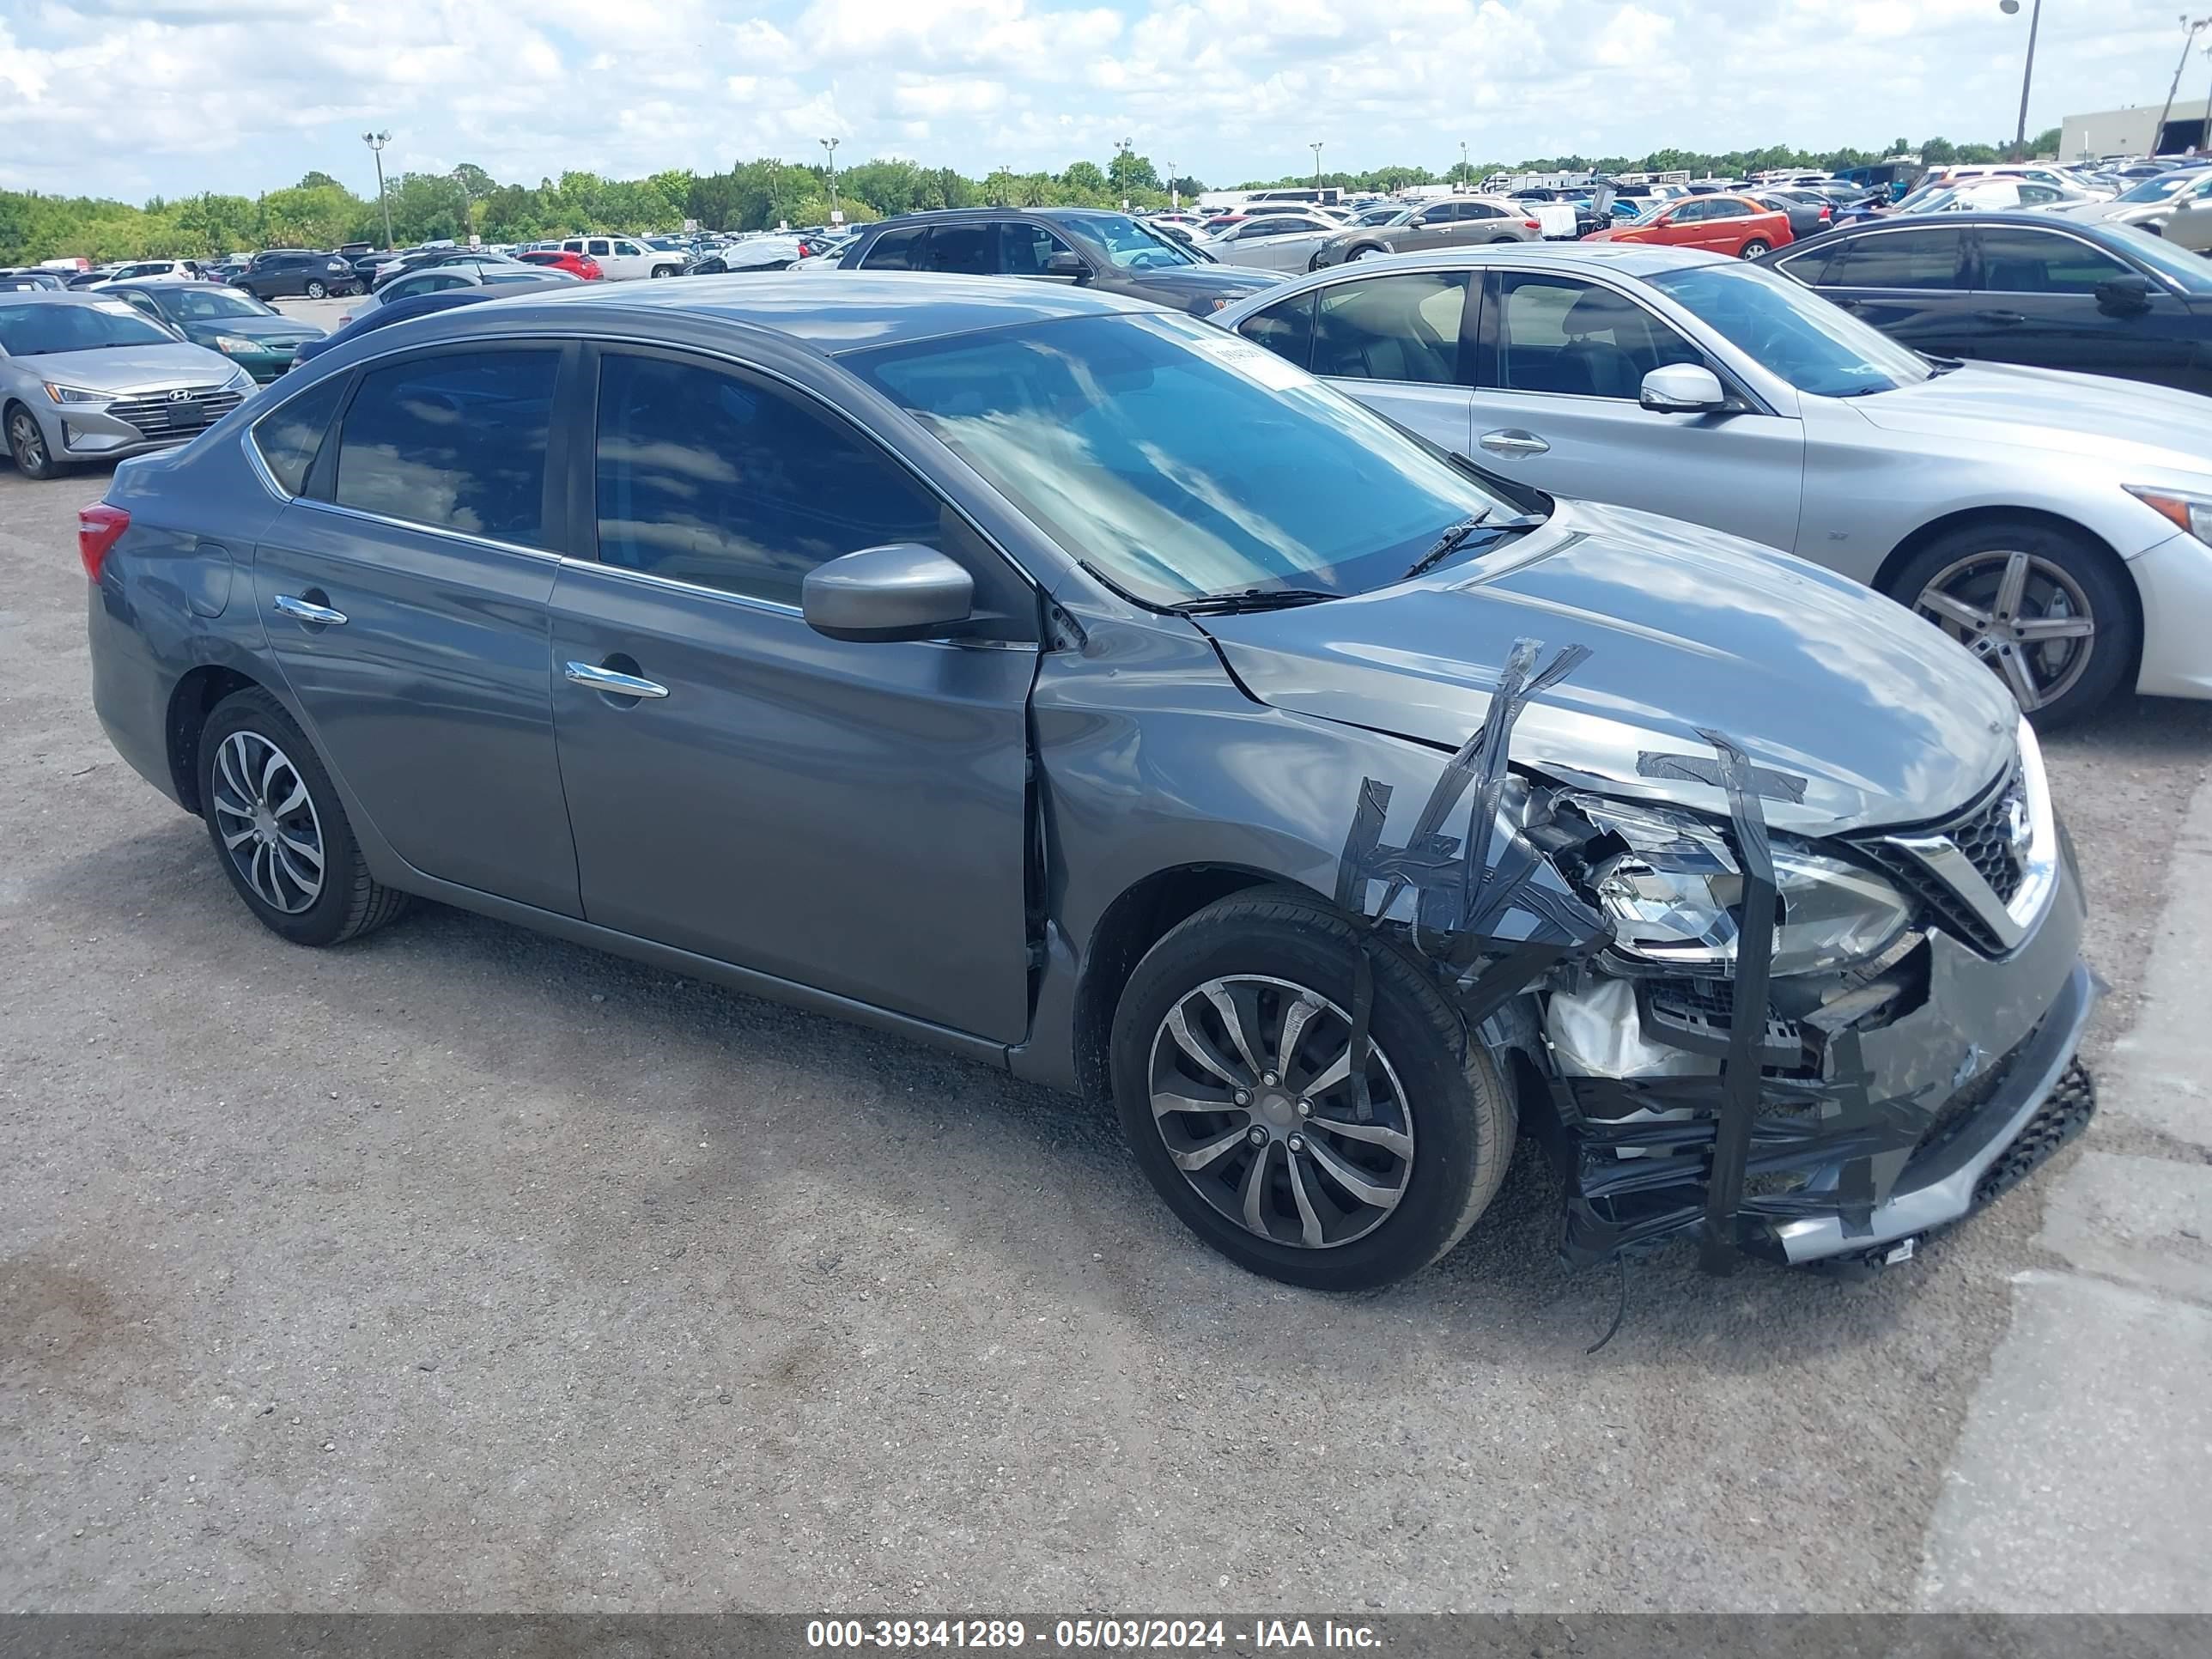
1724, 224
576, 265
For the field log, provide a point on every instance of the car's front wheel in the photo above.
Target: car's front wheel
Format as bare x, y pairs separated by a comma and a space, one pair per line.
26, 444
279, 829
1239, 1093
2044, 607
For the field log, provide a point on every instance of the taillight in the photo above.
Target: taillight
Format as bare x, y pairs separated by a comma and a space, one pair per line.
1533, 224
98, 528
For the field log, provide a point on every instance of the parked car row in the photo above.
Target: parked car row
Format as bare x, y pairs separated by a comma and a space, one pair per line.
1341, 796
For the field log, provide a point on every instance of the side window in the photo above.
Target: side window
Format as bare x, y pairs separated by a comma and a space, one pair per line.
1563, 335
962, 249
704, 477
1727, 209
1025, 249
288, 436
1808, 267
2024, 261
1482, 211
1391, 328
598, 246
1926, 259
1287, 330
455, 440
896, 249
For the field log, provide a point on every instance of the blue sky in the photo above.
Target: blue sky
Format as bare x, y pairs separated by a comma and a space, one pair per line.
248, 95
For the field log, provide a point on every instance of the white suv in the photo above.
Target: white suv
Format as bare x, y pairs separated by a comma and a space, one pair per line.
622, 258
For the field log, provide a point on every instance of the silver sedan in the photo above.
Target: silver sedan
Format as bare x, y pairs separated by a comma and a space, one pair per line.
1273, 241
2055, 523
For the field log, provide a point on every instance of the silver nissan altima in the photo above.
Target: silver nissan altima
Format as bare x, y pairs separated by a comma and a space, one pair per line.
2055, 523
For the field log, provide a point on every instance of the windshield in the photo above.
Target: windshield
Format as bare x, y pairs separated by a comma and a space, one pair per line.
2158, 189
1388, 214
1129, 245
1176, 460
201, 305
27, 330
2191, 272
1790, 332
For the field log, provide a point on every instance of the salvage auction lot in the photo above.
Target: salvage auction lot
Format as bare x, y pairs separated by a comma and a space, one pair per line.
461, 1267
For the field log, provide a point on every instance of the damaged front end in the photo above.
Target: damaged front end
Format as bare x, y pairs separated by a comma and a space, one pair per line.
1798, 1048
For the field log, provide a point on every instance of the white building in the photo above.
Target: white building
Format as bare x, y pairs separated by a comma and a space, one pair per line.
2130, 131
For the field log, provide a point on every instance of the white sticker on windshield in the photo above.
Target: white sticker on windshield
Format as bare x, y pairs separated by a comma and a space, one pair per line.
118, 307
1256, 363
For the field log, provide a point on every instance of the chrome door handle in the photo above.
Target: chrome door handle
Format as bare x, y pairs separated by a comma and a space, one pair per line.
301, 610
614, 684
1511, 441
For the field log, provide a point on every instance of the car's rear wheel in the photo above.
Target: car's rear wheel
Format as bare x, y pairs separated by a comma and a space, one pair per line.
279, 829
1753, 249
1238, 1091
1503, 242
317, 291
2044, 608
26, 444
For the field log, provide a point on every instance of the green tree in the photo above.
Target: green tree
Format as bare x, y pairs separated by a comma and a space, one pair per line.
1084, 176
319, 180
1130, 172
1938, 152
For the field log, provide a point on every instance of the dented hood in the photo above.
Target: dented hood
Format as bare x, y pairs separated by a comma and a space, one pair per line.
1875, 715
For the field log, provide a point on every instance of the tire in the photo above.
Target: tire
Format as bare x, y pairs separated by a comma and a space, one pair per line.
1456, 1114
316, 290
2067, 574
26, 444
347, 901
1752, 249
1504, 241
658, 271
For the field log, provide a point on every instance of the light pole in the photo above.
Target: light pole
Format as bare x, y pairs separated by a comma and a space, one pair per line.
2010, 7
376, 141
1315, 148
1175, 195
2193, 28
1465, 178
831, 145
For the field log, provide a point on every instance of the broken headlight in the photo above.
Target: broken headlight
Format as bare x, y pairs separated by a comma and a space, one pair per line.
1675, 895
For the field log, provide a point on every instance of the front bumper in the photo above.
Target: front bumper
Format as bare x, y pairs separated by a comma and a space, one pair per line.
2174, 581
265, 366
1907, 1127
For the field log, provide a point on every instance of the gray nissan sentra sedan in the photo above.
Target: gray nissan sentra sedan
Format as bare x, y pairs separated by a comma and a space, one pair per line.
1082, 689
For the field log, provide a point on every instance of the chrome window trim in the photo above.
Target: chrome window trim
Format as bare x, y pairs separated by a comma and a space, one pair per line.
446, 530
2166, 284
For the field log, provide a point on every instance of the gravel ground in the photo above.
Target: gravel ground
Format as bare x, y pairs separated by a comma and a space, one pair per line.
461, 1268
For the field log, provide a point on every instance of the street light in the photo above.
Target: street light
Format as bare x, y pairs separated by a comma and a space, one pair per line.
1175, 195
1315, 148
1464, 177
830, 145
2192, 28
376, 141
2010, 8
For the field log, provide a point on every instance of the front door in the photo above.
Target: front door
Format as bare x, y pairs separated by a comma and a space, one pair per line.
2039, 291
1558, 376
403, 595
844, 816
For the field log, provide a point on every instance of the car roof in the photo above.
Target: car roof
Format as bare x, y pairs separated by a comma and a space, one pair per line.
850, 312
171, 282
1627, 259
935, 215
2029, 218
72, 296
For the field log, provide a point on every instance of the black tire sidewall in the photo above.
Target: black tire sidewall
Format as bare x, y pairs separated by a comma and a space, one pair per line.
2119, 631
330, 918
48, 466
1317, 951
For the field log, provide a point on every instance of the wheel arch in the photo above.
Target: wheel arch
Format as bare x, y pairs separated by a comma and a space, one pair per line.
1139, 917
1893, 566
190, 702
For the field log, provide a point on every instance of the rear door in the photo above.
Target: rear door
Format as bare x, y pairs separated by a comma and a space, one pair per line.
1558, 373
403, 594
2044, 295
1914, 282
844, 816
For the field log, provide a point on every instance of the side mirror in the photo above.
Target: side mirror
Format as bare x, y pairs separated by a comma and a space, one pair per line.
1683, 389
1064, 263
901, 592
1417, 221
2123, 296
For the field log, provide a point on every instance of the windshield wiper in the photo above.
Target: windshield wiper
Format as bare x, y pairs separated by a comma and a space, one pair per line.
1447, 543
1251, 599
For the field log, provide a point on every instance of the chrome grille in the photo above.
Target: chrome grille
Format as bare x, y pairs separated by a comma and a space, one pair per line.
162, 415
1983, 834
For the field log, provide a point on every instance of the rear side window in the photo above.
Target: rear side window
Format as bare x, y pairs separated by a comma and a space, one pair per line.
962, 249
455, 440
288, 435
1286, 329
1391, 328
1925, 259
704, 477
896, 249
2018, 260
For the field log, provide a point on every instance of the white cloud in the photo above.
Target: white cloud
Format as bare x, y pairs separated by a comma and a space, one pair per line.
247, 94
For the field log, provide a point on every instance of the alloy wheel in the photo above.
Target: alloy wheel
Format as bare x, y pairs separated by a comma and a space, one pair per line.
28, 443
2020, 613
267, 821
1254, 1094
317, 291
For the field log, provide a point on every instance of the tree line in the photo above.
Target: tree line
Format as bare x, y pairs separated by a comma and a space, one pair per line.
320, 212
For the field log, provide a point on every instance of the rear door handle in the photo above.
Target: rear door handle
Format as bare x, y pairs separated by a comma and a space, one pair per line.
613, 684
303, 610
2007, 317
1511, 441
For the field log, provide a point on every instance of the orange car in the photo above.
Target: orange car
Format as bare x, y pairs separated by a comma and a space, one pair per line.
576, 265
1724, 224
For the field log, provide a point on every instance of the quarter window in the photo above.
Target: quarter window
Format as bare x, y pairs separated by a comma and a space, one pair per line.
2022, 261
896, 249
1926, 261
289, 435
456, 441
705, 477
1402, 328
